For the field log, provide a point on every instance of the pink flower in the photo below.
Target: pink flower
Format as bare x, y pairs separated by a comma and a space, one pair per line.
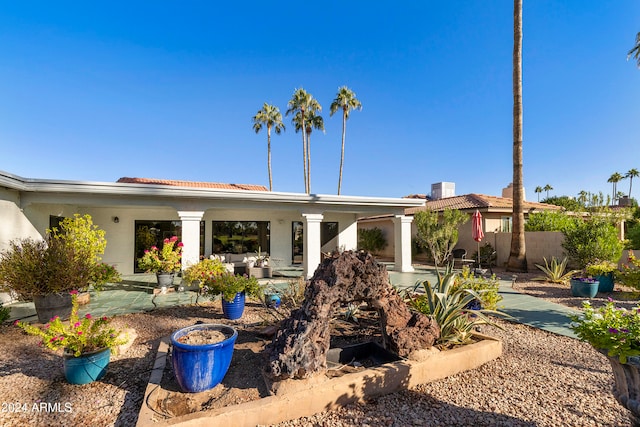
74, 292
104, 318
87, 316
165, 241
17, 322
76, 325
146, 251
174, 239
79, 332
154, 248
180, 244
54, 318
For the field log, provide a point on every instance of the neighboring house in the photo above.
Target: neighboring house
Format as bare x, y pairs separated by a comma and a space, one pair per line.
208, 217
496, 220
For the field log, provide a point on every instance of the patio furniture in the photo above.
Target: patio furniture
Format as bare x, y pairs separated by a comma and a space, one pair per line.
488, 260
459, 257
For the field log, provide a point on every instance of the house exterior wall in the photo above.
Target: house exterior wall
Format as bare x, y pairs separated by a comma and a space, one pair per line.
387, 228
14, 223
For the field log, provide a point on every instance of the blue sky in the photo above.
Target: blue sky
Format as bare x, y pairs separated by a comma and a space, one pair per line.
96, 91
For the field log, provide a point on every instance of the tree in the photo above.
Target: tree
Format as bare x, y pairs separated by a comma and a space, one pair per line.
439, 233
346, 101
302, 102
633, 173
372, 240
312, 121
517, 260
614, 179
270, 117
538, 190
583, 196
569, 203
635, 52
548, 188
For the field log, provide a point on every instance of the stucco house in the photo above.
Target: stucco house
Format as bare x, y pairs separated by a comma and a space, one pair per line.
209, 218
496, 223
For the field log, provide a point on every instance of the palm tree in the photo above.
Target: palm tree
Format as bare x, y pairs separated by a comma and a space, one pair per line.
270, 117
583, 196
303, 102
312, 121
614, 179
347, 101
635, 52
538, 190
518, 255
633, 173
548, 188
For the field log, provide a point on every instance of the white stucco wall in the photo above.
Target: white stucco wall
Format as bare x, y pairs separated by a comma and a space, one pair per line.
14, 224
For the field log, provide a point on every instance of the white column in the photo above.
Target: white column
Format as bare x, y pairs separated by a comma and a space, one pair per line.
402, 240
311, 258
190, 236
348, 237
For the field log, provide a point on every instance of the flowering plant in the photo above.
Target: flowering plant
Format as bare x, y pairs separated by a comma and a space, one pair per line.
229, 285
205, 270
585, 279
611, 329
104, 273
78, 335
168, 259
630, 274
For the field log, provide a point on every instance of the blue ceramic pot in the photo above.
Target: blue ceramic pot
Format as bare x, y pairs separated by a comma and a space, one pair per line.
606, 282
584, 289
233, 309
203, 366
86, 368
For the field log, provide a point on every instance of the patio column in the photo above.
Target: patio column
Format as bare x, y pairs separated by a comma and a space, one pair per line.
190, 236
402, 240
311, 258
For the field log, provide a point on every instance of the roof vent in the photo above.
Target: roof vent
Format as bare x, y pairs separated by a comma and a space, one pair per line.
440, 190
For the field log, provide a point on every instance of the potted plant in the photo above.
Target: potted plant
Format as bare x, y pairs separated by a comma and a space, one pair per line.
87, 343
44, 271
234, 289
603, 272
196, 275
201, 355
165, 262
614, 332
583, 286
261, 268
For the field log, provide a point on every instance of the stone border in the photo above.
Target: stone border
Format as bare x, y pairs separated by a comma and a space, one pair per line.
310, 397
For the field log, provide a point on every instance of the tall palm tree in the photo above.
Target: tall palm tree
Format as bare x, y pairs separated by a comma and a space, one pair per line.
303, 102
635, 52
270, 117
538, 190
583, 196
548, 188
615, 179
313, 120
346, 101
633, 173
518, 255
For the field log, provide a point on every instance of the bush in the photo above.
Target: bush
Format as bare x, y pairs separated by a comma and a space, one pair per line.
592, 241
439, 233
486, 288
549, 221
5, 313
372, 240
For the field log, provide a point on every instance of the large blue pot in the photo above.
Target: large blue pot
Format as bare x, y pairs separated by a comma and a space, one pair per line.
86, 368
233, 309
584, 289
606, 282
201, 367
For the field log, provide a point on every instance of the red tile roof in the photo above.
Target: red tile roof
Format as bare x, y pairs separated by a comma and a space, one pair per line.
477, 201
218, 185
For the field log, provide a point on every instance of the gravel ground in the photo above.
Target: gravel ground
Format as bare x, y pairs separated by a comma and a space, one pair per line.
542, 379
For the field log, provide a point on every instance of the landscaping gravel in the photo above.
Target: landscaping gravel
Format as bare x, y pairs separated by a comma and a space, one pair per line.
541, 379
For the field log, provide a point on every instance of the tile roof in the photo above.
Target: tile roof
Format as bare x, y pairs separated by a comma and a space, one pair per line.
477, 201
218, 185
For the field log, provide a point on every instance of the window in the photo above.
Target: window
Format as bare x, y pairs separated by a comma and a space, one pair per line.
152, 233
238, 237
328, 232
506, 224
54, 221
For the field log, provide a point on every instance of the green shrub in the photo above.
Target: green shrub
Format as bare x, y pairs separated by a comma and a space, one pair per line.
633, 237
371, 239
549, 221
592, 241
630, 274
439, 233
554, 272
5, 313
485, 287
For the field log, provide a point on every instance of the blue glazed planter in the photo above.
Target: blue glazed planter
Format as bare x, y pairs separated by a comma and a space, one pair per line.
201, 367
606, 282
233, 310
272, 300
86, 368
584, 289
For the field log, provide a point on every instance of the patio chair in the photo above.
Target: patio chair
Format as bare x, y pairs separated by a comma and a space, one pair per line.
458, 256
488, 260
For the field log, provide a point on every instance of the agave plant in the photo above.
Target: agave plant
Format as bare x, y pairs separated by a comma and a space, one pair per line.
448, 307
555, 272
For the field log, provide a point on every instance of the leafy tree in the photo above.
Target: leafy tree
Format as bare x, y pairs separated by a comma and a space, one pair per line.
303, 102
346, 101
372, 240
439, 233
633, 173
538, 190
517, 260
635, 51
549, 221
270, 117
569, 203
592, 240
615, 179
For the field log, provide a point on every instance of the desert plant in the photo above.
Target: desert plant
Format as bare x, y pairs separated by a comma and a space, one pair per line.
371, 239
448, 307
555, 272
592, 240
439, 233
486, 287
